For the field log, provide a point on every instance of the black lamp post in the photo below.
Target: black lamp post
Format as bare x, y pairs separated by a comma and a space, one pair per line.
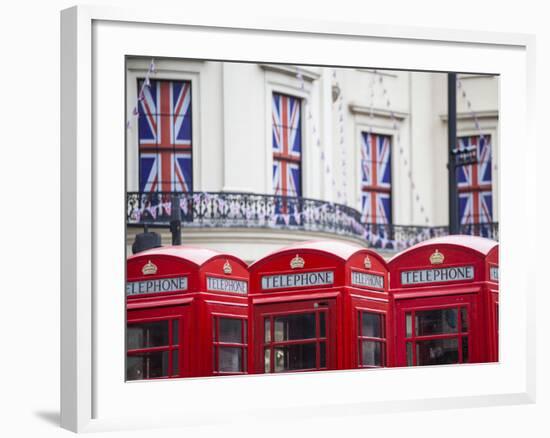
454, 222
175, 221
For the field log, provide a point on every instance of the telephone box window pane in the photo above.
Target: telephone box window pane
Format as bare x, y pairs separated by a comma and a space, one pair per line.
267, 330
464, 318
437, 352
295, 357
372, 324
230, 359
294, 327
437, 321
409, 354
175, 332
372, 353
147, 365
322, 325
230, 330
267, 360
147, 334
465, 350
175, 362
323, 355
408, 319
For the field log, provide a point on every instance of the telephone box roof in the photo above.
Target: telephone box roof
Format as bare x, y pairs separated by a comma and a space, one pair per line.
342, 250
198, 256
481, 245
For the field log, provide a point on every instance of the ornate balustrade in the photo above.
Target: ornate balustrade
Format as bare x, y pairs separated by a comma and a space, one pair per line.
225, 209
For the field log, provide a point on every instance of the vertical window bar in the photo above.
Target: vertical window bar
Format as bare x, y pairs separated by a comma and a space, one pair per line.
459, 329
360, 342
317, 344
170, 343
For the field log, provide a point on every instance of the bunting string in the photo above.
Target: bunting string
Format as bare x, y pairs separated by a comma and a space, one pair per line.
151, 70
406, 162
216, 207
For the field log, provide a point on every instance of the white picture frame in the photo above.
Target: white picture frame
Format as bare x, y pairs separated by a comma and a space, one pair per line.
94, 396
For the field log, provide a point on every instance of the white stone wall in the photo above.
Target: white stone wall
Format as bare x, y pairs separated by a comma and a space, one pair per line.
232, 129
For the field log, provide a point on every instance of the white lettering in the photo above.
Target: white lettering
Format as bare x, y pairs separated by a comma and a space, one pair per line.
368, 280
226, 285
156, 286
493, 273
439, 275
306, 279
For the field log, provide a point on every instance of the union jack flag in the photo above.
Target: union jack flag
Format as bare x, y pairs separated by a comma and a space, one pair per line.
165, 141
475, 197
376, 178
287, 145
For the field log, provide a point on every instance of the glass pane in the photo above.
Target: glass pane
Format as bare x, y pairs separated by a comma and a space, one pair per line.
408, 323
175, 331
437, 321
267, 360
464, 318
230, 330
437, 352
465, 350
371, 353
323, 355
372, 325
409, 354
295, 357
322, 325
147, 334
147, 365
230, 359
245, 330
267, 330
175, 362
293, 327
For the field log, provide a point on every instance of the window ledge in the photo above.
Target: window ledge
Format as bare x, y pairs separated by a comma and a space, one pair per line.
292, 71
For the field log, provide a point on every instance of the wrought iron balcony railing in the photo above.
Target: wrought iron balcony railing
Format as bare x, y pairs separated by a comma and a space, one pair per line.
224, 209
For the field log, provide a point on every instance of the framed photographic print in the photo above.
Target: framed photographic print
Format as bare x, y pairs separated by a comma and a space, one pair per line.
306, 214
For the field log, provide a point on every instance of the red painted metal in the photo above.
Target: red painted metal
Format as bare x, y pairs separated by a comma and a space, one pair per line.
474, 294
197, 306
343, 299
311, 306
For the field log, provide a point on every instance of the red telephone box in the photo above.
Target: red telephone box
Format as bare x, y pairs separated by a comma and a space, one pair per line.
367, 312
441, 291
187, 313
306, 316
492, 302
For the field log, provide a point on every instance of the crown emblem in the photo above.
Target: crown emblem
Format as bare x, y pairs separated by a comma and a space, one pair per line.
437, 258
149, 268
227, 269
297, 262
367, 262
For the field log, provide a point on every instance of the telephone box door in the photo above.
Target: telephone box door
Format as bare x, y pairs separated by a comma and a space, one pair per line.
295, 336
157, 343
436, 331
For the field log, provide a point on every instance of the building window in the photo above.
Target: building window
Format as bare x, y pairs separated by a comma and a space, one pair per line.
296, 341
165, 136
371, 340
153, 349
287, 145
229, 345
475, 196
437, 336
376, 179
